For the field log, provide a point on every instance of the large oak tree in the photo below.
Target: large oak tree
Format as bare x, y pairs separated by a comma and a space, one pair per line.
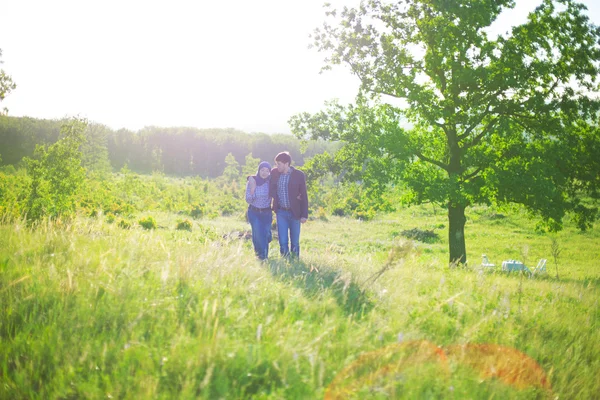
465, 116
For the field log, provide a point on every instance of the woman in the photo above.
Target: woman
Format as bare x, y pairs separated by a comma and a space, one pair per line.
259, 209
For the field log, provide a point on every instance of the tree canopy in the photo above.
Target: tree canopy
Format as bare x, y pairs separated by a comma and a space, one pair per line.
182, 151
464, 116
6, 85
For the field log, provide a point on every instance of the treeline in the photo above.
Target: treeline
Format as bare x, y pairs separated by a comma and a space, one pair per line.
58, 183
173, 151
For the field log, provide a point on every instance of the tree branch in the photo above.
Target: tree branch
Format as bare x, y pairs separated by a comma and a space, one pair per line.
431, 161
475, 173
477, 139
475, 124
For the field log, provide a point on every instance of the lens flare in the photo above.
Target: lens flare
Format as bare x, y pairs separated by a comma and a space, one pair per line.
506, 364
373, 368
380, 369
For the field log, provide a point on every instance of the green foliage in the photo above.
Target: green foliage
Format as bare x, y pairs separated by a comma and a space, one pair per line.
229, 207
6, 85
422, 235
147, 223
129, 194
123, 223
321, 214
199, 211
487, 120
119, 208
13, 189
173, 151
94, 150
56, 174
90, 310
206, 234
232, 169
156, 155
185, 225
342, 198
8, 169
19, 136
250, 166
364, 215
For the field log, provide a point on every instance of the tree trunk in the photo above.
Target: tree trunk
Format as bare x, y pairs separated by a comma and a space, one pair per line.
456, 234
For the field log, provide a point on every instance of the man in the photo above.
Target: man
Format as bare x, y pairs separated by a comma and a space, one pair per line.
290, 203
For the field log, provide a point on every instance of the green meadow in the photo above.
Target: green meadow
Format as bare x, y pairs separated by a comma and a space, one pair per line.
93, 310
126, 269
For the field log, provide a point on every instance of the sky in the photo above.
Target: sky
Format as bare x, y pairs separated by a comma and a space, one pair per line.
196, 63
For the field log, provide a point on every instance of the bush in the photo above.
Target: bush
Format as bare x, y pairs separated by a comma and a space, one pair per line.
124, 224
147, 223
352, 203
110, 218
365, 215
339, 211
198, 210
119, 208
207, 234
229, 208
422, 235
56, 174
321, 214
8, 169
185, 225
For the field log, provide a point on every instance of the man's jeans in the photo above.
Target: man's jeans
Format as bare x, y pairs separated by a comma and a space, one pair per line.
260, 221
287, 224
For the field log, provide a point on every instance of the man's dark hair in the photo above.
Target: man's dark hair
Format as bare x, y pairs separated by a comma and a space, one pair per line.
284, 157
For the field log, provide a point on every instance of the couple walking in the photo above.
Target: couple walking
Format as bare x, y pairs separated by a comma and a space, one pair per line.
283, 190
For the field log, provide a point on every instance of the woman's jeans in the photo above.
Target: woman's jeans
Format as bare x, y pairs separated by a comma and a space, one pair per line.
287, 224
260, 221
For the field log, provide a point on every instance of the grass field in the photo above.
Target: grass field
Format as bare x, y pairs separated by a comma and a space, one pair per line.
90, 310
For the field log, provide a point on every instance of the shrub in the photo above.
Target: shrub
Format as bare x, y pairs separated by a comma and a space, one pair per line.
365, 215
229, 208
207, 234
56, 174
212, 214
8, 169
110, 218
114, 208
422, 235
321, 214
352, 203
198, 210
124, 224
148, 223
185, 225
339, 211
119, 208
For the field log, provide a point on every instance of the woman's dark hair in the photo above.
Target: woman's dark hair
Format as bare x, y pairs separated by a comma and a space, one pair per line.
284, 157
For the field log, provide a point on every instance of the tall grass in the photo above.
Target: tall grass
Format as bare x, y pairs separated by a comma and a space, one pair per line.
90, 310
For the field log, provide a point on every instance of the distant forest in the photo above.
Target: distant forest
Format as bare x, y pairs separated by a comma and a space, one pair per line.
174, 151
